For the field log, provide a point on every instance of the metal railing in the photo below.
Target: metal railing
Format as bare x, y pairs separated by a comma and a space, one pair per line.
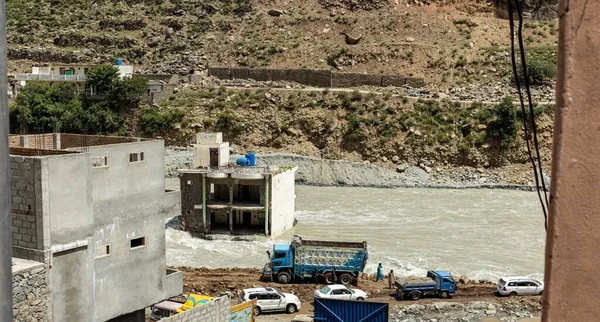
239, 169
50, 77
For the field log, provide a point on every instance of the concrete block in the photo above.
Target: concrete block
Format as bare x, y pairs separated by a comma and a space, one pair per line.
393, 80
311, 77
278, 75
354, 80
415, 82
239, 73
259, 74
220, 72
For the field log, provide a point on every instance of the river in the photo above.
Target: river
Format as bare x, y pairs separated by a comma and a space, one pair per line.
479, 233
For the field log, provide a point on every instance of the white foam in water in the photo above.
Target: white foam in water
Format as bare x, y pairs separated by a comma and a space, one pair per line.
482, 234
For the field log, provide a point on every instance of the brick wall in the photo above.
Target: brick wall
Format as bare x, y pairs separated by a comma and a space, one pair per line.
23, 202
68, 141
14, 141
32, 295
219, 310
34, 141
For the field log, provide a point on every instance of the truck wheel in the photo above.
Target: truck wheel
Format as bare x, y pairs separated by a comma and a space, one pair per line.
345, 279
444, 295
415, 296
283, 277
328, 278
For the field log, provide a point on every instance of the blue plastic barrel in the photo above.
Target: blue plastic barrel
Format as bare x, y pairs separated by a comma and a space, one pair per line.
118, 62
252, 158
244, 162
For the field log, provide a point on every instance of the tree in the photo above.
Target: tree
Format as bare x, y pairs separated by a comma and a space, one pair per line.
102, 78
119, 92
40, 105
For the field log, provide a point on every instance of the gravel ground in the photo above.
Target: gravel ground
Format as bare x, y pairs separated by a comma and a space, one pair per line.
319, 172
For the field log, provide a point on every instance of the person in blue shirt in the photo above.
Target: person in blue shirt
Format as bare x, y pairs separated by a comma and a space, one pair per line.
379, 273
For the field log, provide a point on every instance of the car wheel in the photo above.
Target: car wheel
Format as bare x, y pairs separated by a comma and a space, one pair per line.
283, 277
257, 311
345, 279
513, 294
444, 295
360, 299
291, 309
328, 278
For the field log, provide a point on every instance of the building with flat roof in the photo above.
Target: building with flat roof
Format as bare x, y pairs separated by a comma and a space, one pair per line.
92, 210
218, 195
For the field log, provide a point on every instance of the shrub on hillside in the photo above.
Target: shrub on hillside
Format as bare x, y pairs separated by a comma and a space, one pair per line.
153, 120
539, 70
505, 123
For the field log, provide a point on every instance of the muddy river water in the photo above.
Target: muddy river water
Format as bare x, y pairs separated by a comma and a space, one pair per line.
478, 233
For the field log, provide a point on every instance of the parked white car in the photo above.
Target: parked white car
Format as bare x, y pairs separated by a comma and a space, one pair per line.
269, 299
341, 292
519, 285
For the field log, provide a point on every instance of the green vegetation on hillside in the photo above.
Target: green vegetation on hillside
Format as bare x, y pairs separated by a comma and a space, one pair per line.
41, 107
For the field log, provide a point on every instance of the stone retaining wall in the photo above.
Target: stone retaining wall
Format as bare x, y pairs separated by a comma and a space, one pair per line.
315, 77
32, 295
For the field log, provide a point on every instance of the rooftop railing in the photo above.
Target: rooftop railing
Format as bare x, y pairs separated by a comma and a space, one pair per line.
50, 77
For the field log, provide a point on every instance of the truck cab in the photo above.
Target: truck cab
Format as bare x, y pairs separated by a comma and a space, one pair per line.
443, 281
281, 263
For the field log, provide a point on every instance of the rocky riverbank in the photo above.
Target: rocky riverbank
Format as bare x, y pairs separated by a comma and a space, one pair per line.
319, 172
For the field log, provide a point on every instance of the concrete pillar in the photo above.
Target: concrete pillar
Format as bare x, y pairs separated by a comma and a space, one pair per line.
204, 227
267, 205
572, 259
230, 210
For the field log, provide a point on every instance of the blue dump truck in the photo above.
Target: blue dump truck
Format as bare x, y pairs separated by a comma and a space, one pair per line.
314, 260
437, 283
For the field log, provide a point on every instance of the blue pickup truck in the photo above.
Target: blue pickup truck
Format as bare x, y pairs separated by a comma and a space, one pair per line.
312, 260
437, 283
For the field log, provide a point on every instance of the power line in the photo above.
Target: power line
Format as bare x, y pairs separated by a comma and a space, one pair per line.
532, 124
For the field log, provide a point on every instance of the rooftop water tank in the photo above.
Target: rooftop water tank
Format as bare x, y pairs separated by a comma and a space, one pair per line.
251, 158
244, 162
118, 62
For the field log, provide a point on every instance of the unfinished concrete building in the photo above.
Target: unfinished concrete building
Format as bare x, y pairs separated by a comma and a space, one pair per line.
220, 196
92, 210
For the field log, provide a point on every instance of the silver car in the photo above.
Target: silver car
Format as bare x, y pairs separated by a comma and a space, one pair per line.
519, 285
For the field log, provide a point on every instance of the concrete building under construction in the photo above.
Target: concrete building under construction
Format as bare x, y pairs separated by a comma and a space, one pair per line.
238, 197
88, 222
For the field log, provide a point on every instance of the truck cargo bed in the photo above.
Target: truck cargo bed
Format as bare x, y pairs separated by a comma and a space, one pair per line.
297, 241
415, 282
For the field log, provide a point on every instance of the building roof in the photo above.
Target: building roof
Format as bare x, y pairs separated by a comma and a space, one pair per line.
168, 305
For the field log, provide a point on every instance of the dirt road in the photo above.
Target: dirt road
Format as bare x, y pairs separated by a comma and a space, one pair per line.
217, 281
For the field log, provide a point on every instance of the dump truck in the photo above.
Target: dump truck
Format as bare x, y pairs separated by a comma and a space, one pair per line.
437, 283
314, 260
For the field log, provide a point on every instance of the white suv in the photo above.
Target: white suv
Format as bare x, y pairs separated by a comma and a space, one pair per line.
519, 285
269, 299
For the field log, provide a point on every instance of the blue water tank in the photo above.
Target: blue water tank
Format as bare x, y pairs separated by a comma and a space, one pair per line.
118, 62
244, 162
252, 158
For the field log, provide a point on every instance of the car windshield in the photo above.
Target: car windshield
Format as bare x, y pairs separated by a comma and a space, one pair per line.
281, 294
324, 290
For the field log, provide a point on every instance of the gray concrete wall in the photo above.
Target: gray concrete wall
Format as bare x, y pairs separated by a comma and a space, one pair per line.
129, 203
32, 299
219, 310
68, 192
72, 285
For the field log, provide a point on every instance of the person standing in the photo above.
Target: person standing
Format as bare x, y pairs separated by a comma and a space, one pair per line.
379, 273
391, 279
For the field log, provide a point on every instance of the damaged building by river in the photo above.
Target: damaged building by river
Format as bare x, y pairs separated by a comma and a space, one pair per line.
236, 197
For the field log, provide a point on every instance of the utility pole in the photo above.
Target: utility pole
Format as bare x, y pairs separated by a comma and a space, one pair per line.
5, 217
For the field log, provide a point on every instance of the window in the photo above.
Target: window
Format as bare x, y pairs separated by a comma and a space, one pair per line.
337, 292
253, 296
279, 255
275, 296
512, 284
136, 157
138, 242
325, 290
102, 251
100, 162
264, 296
346, 292
448, 280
